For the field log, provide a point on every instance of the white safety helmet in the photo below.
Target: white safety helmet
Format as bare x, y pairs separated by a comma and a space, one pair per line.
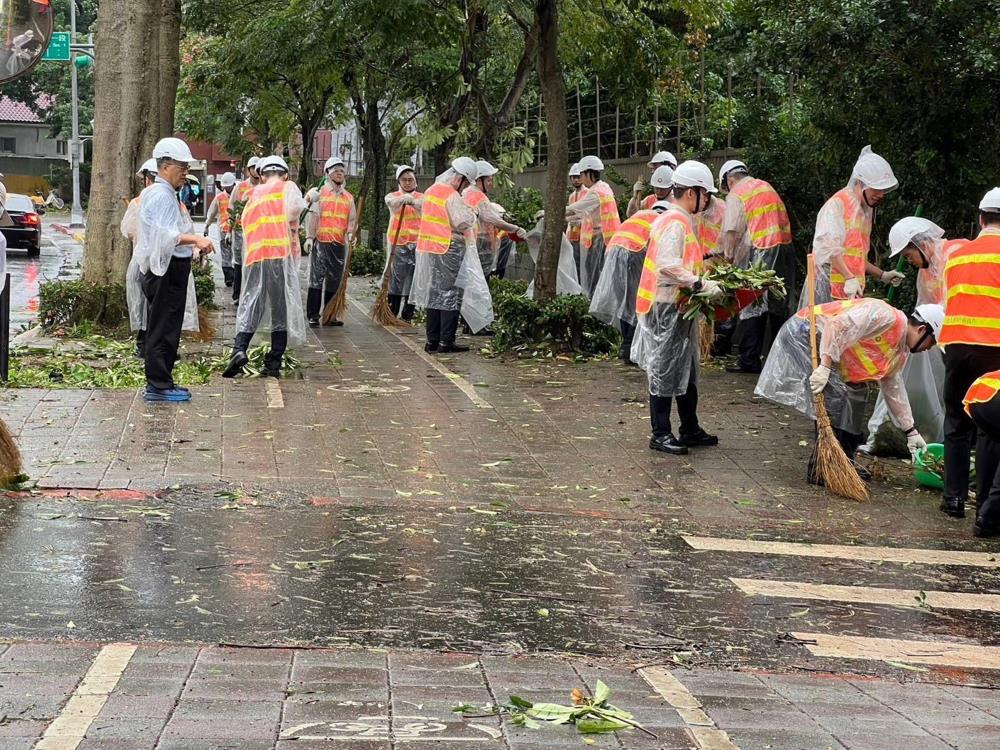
663, 157
228, 179
485, 169
172, 148
466, 167
272, 164
694, 174
254, 161
991, 201
663, 177
540, 214
728, 167
403, 169
904, 232
872, 171
591, 163
147, 166
661, 206
932, 315
574, 171
333, 161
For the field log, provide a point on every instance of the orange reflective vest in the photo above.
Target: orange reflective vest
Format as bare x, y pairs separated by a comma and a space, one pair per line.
608, 216
474, 197
972, 281
648, 201
223, 214
410, 230
930, 281
858, 226
872, 358
983, 390
692, 257
633, 234
435, 227
266, 234
767, 219
709, 223
573, 230
334, 215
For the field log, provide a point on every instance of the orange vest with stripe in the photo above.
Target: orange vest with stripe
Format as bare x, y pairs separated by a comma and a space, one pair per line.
648, 201
692, 259
411, 221
983, 390
473, 198
435, 227
930, 281
608, 216
872, 358
633, 234
767, 218
972, 281
573, 231
223, 211
709, 225
266, 235
334, 215
857, 237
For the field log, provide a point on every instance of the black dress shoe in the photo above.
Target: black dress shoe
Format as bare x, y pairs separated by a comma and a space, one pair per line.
741, 369
953, 506
314, 322
335, 323
668, 444
699, 438
429, 347
236, 363
985, 532
270, 372
450, 348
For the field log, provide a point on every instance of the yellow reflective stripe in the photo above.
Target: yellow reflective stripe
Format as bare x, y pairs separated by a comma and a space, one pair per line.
767, 208
263, 221
978, 290
645, 294
266, 242
623, 234
971, 321
859, 351
434, 200
962, 260
649, 265
989, 382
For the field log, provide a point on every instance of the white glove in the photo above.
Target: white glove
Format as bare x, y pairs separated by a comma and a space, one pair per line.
308, 247
818, 379
521, 233
852, 288
894, 278
408, 199
915, 444
639, 186
712, 288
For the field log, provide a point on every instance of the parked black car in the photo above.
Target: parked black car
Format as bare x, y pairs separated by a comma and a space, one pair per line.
26, 230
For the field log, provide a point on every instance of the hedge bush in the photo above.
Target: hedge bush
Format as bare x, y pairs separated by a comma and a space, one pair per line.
64, 304
367, 261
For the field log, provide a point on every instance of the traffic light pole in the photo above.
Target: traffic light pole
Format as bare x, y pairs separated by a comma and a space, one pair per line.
76, 212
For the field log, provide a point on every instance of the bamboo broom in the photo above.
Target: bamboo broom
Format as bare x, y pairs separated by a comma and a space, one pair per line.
833, 467
381, 312
336, 306
10, 457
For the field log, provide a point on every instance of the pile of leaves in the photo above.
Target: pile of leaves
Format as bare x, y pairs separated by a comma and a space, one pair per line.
589, 715
732, 280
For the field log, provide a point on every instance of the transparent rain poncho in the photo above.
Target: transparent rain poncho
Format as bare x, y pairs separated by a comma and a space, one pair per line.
666, 345
614, 296
785, 377
271, 297
566, 280
404, 260
138, 305
454, 280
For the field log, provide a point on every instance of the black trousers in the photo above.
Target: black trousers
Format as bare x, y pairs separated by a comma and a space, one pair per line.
326, 269
279, 343
987, 417
687, 410
442, 326
628, 333
396, 302
237, 281
752, 335
167, 296
963, 364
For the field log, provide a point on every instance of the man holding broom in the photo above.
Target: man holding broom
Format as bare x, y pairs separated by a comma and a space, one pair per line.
404, 228
328, 235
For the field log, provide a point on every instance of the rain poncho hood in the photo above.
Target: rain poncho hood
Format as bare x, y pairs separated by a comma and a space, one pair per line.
913, 230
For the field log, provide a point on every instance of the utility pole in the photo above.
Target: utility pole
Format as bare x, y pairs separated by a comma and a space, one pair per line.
76, 211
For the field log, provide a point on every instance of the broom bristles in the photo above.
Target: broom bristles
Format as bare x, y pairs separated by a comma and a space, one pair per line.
833, 466
706, 338
381, 312
10, 456
338, 303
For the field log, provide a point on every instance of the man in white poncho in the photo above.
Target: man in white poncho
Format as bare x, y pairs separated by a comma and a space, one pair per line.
241, 193
166, 247
271, 293
330, 224
218, 212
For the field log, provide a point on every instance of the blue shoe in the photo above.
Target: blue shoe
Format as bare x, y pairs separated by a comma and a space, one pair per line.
166, 394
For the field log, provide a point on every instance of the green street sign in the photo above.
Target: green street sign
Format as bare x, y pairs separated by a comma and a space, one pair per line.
58, 49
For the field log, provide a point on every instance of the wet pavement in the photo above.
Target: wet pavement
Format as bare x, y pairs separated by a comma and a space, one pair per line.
60, 258
486, 526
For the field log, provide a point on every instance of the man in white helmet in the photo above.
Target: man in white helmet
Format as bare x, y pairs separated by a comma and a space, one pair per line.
271, 293
666, 344
218, 211
167, 244
238, 201
488, 219
614, 296
444, 239
328, 235
597, 213
573, 227
860, 341
401, 239
843, 233
637, 202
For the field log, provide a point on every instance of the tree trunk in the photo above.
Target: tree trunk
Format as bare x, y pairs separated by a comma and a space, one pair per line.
169, 64
553, 88
375, 167
122, 79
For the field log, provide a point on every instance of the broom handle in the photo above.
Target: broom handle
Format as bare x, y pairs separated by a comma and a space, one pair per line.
810, 280
395, 241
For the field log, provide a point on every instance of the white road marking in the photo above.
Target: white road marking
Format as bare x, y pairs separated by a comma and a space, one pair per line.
701, 727
868, 595
939, 653
847, 552
70, 727
274, 398
457, 380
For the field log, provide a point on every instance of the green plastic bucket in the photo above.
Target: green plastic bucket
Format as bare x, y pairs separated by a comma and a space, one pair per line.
925, 476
